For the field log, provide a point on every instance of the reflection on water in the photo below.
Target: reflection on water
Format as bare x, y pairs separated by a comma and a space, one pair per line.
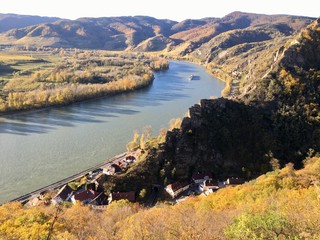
40, 147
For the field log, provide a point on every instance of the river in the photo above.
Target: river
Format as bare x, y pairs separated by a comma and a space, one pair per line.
44, 146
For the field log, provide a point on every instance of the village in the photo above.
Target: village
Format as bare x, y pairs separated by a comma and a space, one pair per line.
88, 189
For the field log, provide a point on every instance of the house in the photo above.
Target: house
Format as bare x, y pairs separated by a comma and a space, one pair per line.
85, 196
210, 185
175, 189
35, 202
100, 200
99, 181
233, 181
201, 177
64, 195
116, 196
93, 174
123, 164
112, 169
130, 159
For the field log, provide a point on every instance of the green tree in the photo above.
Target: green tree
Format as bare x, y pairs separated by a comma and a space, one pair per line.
269, 225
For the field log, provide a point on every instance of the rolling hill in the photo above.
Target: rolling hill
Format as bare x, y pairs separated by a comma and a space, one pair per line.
141, 33
10, 21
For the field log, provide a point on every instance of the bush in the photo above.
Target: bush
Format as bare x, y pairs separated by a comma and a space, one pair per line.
269, 225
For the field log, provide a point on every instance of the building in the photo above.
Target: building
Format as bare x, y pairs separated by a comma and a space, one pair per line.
112, 169
85, 196
233, 181
177, 188
201, 177
210, 185
130, 159
116, 196
64, 195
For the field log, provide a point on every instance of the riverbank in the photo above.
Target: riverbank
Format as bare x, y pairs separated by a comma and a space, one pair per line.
108, 93
216, 73
46, 79
41, 147
28, 196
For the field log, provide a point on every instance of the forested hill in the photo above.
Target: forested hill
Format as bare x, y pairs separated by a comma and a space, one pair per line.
277, 119
143, 33
10, 21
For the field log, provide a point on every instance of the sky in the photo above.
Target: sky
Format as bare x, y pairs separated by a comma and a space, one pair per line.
163, 9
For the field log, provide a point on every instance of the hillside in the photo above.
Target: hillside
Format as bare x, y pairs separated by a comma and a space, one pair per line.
11, 21
117, 33
141, 33
199, 40
283, 204
267, 134
277, 118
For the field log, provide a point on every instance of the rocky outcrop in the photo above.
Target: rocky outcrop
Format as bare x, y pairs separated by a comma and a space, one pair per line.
218, 137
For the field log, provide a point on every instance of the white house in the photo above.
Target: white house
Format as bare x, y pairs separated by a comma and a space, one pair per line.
175, 189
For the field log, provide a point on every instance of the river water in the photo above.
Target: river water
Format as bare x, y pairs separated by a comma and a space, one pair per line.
41, 147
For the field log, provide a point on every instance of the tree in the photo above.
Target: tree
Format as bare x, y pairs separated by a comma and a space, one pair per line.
269, 225
134, 144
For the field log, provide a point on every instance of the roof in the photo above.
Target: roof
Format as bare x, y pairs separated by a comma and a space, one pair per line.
212, 183
235, 180
116, 167
131, 196
86, 195
177, 185
64, 192
198, 176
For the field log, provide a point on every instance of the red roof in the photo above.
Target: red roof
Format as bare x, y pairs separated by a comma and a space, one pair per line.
86, 195
177, 185
131, 196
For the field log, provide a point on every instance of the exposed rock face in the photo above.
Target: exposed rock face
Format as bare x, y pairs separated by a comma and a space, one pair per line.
218, 136
279, 117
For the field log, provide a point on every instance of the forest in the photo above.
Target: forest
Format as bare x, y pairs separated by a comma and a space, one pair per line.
39, 78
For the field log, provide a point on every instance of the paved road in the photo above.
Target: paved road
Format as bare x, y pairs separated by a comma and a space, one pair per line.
62, 182
152, 200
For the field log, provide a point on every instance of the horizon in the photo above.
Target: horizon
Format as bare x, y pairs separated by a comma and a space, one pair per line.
167, 9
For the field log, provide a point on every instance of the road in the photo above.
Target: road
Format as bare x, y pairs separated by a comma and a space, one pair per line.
152, 200
62, 182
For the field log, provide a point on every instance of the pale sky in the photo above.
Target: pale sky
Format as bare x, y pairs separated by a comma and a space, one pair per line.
164, 9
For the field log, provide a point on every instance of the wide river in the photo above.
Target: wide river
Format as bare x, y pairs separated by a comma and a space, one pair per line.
38, 148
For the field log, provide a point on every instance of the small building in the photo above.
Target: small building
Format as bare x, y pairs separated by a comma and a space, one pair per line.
233, 181
177, 188
35, 202
85, 196
112, 169
211, 185
130, 159
100, 200
64, 195
201, 177
116, 196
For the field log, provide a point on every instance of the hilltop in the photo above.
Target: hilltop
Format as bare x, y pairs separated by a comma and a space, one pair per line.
142, 33
11, 21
